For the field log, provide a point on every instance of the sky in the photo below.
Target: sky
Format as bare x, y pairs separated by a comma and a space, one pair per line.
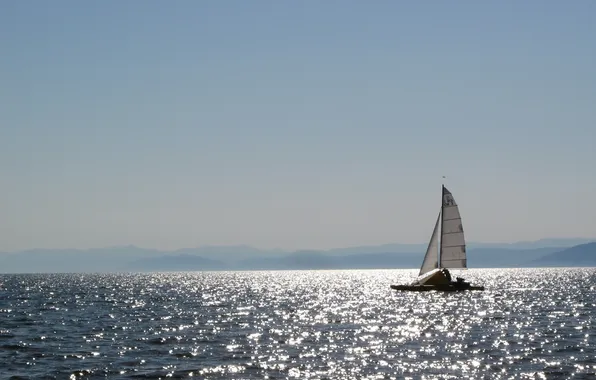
294, 124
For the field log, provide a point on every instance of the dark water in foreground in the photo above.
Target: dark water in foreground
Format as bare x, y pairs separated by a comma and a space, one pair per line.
530, 323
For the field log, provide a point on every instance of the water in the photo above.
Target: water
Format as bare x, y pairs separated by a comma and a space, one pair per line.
529, 323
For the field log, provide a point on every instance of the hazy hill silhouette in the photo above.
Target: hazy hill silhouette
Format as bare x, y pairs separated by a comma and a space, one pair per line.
175, 262
135, 259
579, 255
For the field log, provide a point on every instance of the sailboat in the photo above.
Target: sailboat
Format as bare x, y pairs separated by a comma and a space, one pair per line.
447, 252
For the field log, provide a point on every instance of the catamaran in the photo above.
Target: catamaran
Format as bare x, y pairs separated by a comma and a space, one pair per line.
448, 252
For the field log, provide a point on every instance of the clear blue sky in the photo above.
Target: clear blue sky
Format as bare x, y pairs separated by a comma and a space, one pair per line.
294, 124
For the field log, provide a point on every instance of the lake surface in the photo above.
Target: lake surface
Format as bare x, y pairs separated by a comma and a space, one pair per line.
528, 324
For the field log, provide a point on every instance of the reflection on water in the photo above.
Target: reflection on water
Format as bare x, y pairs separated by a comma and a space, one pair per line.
529, 323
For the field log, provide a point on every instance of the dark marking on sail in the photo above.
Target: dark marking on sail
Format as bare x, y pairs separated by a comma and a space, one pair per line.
448, 200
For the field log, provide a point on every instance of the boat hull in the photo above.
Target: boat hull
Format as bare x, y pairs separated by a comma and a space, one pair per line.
441, 288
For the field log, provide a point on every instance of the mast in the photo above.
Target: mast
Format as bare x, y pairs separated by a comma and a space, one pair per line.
441, 233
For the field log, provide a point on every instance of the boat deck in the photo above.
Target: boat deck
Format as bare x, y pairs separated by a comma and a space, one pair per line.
441, 288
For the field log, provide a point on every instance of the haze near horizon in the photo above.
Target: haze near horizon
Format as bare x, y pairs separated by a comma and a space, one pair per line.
294, 124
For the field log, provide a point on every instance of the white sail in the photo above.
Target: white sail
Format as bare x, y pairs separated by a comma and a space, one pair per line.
453, 243
431, 259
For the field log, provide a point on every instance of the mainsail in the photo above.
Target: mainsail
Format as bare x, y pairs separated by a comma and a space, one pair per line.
431, 259
453, 243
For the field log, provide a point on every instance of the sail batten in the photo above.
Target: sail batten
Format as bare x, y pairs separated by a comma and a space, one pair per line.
453, 242
431, 259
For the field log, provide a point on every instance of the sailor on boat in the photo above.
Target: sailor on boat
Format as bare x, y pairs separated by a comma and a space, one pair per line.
447, 274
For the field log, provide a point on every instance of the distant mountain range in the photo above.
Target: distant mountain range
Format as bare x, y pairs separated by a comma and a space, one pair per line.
546, 252
582, 255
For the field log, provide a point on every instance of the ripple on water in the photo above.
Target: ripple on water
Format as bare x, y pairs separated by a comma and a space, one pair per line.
297, 324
